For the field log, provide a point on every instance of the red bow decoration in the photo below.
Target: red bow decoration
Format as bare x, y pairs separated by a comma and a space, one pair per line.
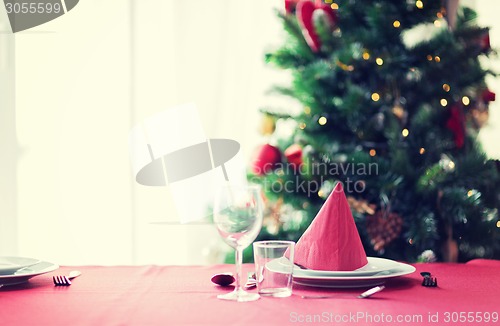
484, 42
488, 96
293, 155
456, 123
481, 43
305, 15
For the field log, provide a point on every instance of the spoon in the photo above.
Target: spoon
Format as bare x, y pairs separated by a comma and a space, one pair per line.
226, 279
223, 279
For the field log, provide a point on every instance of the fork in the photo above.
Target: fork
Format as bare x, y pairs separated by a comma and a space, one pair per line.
63, 280
429, 280
251, 282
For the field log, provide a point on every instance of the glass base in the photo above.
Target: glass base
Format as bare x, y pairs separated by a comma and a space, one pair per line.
276, 292
240, 296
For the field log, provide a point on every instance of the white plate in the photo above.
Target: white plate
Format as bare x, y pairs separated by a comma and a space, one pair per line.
375, 265
9, 265
354, 281
23, 275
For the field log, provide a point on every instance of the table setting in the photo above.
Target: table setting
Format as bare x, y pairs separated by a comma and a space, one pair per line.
185, 295
328, 255
17, 270
324, 277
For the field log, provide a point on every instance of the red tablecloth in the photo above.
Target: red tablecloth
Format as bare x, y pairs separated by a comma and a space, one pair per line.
174, 295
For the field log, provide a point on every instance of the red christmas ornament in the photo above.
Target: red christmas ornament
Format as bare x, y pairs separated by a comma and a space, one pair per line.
488, 96
266, 158
481, 43
293, 155
305, 15
484, 42
456, 123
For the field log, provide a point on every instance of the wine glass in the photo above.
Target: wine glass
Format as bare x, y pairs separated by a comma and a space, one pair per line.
238, 214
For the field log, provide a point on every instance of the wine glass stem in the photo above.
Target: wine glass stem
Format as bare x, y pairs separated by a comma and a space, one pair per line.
238, 261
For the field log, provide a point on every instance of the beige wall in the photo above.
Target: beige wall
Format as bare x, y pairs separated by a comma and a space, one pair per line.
83, 80
488, 16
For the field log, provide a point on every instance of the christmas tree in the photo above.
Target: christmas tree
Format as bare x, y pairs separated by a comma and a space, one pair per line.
392, 95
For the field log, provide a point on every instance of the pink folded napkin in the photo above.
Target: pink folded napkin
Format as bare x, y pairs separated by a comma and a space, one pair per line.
331, 242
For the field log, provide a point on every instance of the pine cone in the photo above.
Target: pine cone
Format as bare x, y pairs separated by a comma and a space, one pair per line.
383, 228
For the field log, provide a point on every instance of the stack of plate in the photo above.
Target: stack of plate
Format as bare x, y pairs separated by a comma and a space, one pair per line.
16, 270
377, 271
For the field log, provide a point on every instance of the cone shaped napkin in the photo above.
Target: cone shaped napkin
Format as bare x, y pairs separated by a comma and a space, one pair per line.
331, 242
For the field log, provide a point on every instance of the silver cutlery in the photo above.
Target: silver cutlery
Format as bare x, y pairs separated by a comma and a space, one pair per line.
429, 280
63, 280
226, 279
371, 292
363, 295
251, 281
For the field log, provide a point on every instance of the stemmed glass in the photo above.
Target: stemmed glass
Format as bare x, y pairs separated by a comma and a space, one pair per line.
238, 214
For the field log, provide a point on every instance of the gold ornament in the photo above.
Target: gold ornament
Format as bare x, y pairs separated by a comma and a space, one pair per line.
399, 111
361, 206
479, 114
272, 221
343, 66
479, 117
268, 125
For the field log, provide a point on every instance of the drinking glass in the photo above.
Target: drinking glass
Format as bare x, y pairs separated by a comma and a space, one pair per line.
238, 214
274, 267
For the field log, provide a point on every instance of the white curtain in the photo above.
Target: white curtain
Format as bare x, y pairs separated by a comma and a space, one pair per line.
83, 80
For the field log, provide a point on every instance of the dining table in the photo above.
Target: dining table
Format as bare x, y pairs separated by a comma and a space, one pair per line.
466, 294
